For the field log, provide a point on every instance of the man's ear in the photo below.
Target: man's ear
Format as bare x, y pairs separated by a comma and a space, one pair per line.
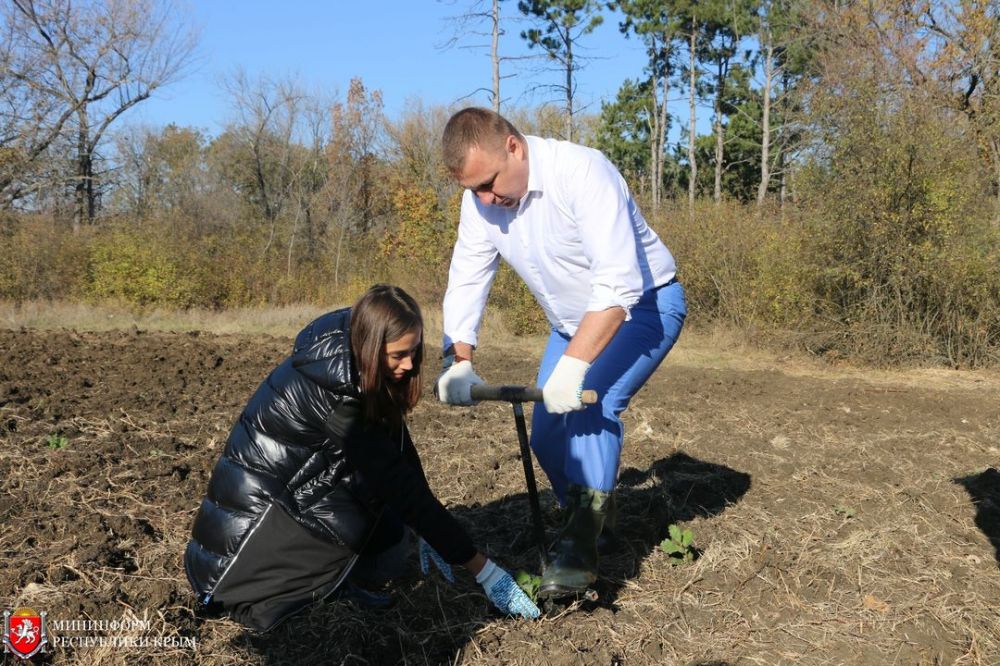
513, 145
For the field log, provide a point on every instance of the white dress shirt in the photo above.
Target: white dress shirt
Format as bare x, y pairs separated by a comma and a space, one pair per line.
577, 239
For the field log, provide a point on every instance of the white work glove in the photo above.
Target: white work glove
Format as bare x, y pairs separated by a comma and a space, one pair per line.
454, 386
504, 593
564, 389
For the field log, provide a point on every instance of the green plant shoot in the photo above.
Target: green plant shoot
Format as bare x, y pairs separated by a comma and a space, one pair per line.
679, 545
56, 442
845, 511
529, 583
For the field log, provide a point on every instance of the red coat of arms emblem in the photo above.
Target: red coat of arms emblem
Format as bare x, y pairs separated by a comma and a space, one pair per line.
24, 632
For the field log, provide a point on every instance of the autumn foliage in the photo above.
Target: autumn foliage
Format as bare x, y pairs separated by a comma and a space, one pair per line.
875, 236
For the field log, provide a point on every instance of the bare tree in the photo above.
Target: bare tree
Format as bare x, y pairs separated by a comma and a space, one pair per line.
495, 53
88, 64
471, 24
266, 113
273, 153
309, 177
159, 171
353, 188
31, 117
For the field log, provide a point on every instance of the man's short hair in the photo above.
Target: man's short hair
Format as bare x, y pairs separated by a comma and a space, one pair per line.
473, 126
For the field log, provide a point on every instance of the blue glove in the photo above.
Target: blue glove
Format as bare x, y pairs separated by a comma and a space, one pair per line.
504, 593
428, 555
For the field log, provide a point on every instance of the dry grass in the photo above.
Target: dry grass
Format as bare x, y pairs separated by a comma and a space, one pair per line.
284, 321
275, 321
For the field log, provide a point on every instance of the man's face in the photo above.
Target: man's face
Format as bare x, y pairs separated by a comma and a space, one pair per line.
498, 177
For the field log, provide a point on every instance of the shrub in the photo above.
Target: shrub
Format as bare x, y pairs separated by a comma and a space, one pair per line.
519, 311
903, 253
40, 259
132, 269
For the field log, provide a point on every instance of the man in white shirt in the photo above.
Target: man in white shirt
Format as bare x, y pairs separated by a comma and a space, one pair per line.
562, 216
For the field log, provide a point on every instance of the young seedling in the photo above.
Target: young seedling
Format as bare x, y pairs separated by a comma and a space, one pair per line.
56, 442
529, 583
845, 511
679, 546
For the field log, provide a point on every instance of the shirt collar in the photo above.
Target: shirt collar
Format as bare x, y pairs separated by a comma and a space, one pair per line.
535, 146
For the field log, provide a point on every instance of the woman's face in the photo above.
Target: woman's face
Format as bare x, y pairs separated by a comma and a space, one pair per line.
399, 356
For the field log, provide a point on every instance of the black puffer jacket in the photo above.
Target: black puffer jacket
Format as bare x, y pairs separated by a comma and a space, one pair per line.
301, 443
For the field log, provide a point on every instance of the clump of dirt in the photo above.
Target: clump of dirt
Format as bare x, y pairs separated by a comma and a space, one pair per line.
839, 520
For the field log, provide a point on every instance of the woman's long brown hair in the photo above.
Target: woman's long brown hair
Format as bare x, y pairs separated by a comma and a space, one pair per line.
382, 315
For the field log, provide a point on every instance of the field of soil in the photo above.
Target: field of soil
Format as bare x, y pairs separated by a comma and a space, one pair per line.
842, 516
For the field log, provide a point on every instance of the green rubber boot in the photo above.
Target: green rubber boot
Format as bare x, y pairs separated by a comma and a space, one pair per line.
608, 540
572, 566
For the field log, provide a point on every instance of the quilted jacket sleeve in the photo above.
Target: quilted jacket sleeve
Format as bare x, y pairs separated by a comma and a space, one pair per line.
398, 482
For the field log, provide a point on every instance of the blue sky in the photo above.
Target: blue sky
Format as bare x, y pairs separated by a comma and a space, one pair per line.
392, 46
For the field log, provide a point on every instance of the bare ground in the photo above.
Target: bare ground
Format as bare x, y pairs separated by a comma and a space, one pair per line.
843, 516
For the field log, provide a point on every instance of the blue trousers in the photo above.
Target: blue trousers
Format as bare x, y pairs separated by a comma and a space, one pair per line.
584, 447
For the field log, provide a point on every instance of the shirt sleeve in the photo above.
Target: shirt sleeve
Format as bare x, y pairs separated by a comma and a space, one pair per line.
603, 207
474, 265
394, 475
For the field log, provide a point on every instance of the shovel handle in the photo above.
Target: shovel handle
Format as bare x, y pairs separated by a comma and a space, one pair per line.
521, 394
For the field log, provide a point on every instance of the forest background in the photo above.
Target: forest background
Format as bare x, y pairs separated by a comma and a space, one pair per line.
846, 199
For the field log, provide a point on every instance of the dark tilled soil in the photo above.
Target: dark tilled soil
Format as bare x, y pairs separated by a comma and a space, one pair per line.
838, 517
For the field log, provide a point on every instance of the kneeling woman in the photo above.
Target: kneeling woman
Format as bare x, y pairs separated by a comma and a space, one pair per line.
319, 475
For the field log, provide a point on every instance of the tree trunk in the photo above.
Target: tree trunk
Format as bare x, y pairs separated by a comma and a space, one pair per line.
569, 90
91, 194
496, 56
309, 233
765, 143
783, 185
291, 242
721, 72
693, 76
662, 140
340, 245
258, 164
719, 148
658, 137
83, 169
654, 144
654, 133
